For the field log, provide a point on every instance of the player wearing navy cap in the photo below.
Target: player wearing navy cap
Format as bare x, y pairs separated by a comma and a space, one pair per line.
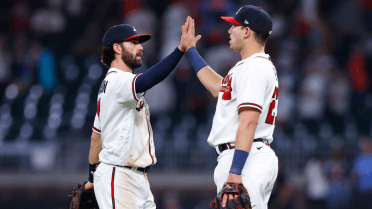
122, 139
123, 32
245, 116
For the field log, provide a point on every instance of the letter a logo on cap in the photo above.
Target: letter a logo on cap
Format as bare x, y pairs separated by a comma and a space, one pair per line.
134, 29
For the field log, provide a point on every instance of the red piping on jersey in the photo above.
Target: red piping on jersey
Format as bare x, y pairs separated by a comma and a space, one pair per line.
96, 129
112, 188
98, 107
253, 104
148, 127
266, 58
134, 93
111, 72
262, 57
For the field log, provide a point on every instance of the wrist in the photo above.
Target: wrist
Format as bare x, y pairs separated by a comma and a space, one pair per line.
92, 169
192, 48
196, 60
187, 48
180, 48
240, 157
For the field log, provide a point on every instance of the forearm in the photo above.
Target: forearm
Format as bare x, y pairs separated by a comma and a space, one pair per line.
243, 144
245, 136
95, 148
249, 117
207, 76
93, 155
210, 80
158, 72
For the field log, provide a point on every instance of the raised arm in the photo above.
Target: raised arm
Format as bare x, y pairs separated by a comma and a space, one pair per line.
207, 76
162, 69
158, 72
210, 79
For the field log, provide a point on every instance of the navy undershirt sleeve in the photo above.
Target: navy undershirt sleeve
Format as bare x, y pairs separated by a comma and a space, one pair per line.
158, 72
196, 60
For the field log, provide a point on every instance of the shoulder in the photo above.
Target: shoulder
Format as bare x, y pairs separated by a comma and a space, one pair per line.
127, 75
119, 75
254, 66
261, 62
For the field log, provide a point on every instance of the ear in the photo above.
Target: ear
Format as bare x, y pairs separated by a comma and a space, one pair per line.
247, 32
117, 48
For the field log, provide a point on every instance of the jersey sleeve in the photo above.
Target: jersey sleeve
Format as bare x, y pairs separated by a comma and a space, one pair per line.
125, 89
96, 125
251, 87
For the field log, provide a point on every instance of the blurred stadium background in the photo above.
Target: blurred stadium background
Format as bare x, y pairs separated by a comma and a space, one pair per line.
50, 73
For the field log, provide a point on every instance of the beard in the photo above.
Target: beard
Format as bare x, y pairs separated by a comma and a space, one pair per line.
131, 60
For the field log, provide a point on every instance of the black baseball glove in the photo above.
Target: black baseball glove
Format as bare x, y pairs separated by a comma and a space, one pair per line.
242, 201
83, 199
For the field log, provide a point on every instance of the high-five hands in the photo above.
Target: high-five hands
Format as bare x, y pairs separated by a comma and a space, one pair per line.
188, 38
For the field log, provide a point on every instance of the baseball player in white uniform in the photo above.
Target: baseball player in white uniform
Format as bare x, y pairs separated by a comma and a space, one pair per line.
245, 116
122, 139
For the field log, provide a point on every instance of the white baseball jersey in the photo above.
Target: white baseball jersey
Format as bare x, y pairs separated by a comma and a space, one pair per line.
123, 120
252, 82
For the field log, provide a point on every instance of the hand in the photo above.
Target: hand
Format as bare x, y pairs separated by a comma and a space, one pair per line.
233, 178
188, 38
88, 185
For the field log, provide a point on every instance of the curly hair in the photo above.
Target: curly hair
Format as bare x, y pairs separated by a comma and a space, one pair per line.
108, 55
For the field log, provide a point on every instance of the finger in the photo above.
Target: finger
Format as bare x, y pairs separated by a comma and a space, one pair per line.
190, 23
190, 29
183, 29
197, 38
193, 26
187, 23
224, 200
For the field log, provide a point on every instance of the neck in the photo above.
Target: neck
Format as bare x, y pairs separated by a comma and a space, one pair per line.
251, 49
119, 64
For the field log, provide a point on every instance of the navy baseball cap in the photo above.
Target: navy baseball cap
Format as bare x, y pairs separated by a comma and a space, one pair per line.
123, 32
253, 17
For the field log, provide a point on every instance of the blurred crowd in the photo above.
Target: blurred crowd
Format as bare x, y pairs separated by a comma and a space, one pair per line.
50, 73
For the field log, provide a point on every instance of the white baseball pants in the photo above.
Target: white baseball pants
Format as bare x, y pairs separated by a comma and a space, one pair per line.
258, 175
122, 188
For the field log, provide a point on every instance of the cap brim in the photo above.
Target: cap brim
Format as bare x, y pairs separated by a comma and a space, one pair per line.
230, 20
141, 37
